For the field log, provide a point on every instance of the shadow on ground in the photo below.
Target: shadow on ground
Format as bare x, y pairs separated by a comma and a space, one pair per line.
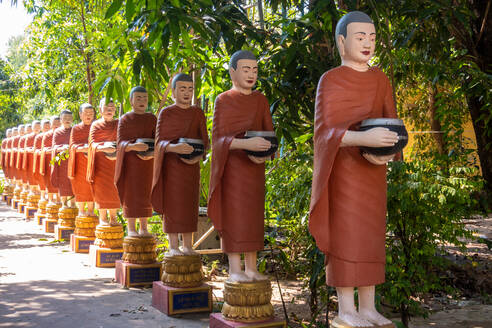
84, 303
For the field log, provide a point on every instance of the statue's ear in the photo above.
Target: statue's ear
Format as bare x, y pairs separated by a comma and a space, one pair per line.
341, 44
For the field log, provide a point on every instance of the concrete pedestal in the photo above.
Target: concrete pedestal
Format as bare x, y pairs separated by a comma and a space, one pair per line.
63, 233
170, 300
104, 257
49, 225
81, 244
218, 321
137, 275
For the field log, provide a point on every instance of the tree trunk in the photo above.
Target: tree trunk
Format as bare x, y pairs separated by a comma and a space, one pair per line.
435, 123
86, 54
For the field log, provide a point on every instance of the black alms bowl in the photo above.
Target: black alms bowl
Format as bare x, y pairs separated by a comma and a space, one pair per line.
395, 125
198, 147
110, 144
149, 142
268, 135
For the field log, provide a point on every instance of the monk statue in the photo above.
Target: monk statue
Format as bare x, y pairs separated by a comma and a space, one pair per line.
133, 174
22, 160
27, 165
45, 160
38, 144
101, 163
349, 228
176, 182
59, 170
77, 162
237, 180
6, 145
13, 160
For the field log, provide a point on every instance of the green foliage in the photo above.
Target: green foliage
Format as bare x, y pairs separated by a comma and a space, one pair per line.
426, 208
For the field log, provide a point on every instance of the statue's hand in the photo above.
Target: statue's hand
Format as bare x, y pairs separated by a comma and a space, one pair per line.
377, 160
257, 144
139, 146
379, 137
180, 148
192, 161
258, 160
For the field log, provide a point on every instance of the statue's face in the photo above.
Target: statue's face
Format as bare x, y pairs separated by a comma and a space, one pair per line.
107, 111
14, 133
360, 43
139, 102
46, 126
183, 93
21, 130
245, 75
87, 115
28, 129
36, 128
55, 124
66, 120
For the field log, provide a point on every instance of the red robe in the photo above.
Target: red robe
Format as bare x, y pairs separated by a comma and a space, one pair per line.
45, 161
133, 176
4, 148
59, 171
176, 185
20, 159
237, 185
100, 169
77, 163
38, 178
28, 159
348, 200
13, 157
5, 155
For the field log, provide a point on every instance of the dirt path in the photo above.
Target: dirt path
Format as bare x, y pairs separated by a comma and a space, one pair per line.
43, 284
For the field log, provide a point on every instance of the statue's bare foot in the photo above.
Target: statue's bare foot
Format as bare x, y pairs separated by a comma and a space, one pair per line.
144, 233
104, 223
114, 223
239, 277
351, 319
255, 275
375, 317
133, 234
188, 251
173, 252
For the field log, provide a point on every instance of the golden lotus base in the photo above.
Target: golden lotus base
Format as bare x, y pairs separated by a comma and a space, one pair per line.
68, 212
109, 236
86, 222
85, 232
52, 211
139, 250
182, 271
247, 301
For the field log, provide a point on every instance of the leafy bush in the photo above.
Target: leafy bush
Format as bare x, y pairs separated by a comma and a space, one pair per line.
426, 208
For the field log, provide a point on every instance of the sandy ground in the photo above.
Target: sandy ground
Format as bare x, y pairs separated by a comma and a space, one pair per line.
43, 284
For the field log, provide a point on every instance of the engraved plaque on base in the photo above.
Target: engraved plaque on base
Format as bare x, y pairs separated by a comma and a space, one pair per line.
137, 275
63, 233
81, 244
217, 320
104, 257
49, 225
171, 300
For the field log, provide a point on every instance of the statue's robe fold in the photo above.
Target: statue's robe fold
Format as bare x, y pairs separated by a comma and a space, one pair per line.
21, 151
13, 157
27, 164
77, 163
45, 161
176, 185
59, 171
38, 178
133, 176
237, 185
348, 199
100, 169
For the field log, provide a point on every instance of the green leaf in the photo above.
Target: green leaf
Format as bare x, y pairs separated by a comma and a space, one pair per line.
129, 10
113, 8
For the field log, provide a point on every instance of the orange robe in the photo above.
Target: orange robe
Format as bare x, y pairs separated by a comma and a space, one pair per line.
77, 163
348, 200
38, 178
176, 185
13, 157
133, 176
5, 156
100, 169
59, 171
237, 185
28, 159
45, 162
20, 159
